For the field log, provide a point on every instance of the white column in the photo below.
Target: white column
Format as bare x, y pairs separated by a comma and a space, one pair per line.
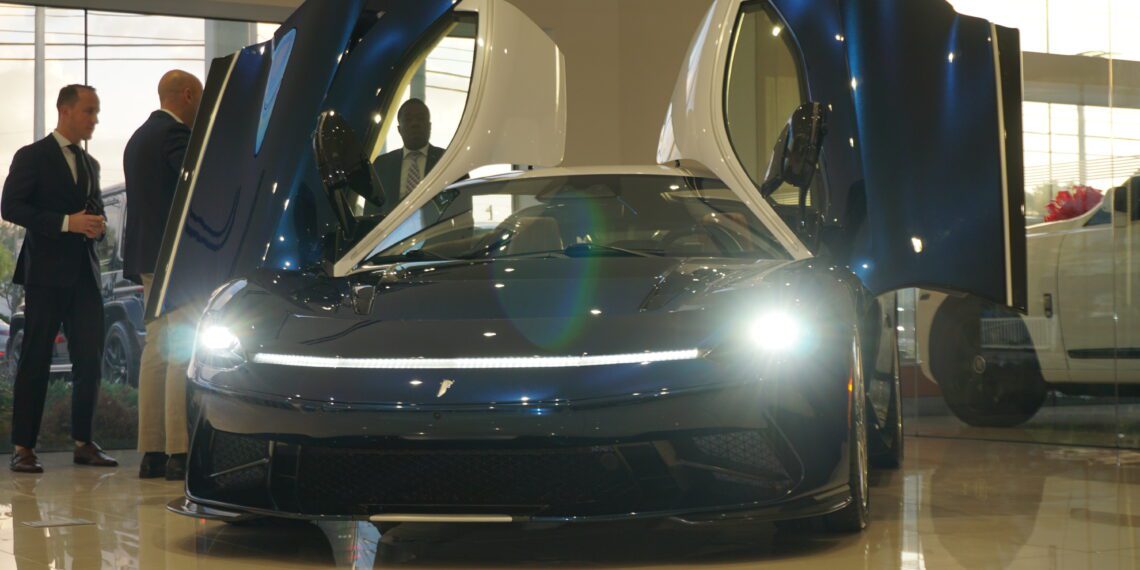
39, 129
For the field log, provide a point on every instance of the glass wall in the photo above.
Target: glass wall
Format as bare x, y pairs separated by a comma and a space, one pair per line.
1068, 371
123, 56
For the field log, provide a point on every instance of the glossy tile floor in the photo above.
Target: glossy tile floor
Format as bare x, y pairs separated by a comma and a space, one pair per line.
956, 504
1090, 422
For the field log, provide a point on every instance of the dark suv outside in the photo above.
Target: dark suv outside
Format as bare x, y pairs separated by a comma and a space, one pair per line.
122, 308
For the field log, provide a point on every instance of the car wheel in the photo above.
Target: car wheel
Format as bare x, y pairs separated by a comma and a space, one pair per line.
120, 356
16, 344
855, 516
887, 445
981, 388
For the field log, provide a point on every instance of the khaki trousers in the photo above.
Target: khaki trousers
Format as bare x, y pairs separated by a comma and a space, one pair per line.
162, 378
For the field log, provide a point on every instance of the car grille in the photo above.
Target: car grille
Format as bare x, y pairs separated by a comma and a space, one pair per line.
486, 478
746, 451
316, 478
238, 462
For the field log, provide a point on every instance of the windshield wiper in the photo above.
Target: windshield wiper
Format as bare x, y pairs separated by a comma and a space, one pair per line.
574, 250
413, 255
589, 249
578, 250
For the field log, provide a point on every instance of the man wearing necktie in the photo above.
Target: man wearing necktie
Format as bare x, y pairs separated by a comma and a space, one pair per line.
52, 190
402, 169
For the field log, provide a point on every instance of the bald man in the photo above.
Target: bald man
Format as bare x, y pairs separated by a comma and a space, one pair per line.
152, 163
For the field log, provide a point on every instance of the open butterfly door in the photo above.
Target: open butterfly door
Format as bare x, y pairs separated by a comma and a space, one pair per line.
917, 126
281, 160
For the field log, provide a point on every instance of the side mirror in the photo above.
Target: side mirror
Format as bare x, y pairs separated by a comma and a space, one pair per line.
795, 158
345, 169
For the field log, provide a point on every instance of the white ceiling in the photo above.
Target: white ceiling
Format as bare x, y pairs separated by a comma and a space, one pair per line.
254, 10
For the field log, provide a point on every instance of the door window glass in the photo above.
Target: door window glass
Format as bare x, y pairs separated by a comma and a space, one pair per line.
107, 248
763, 89
1126, 200
1102, 217
417, 125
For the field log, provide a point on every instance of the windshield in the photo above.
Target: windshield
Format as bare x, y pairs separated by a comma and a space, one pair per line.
580, 215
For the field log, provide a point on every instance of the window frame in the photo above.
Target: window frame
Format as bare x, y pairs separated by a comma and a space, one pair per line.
387, 99
818, 187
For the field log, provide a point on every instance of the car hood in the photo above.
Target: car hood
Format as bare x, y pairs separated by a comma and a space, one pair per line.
506, 308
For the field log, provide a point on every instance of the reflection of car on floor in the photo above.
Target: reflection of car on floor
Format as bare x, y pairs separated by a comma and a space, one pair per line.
122, 308
570, 344
1081, 335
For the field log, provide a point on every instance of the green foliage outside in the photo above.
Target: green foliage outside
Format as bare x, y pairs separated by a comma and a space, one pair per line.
11, 294
116, 416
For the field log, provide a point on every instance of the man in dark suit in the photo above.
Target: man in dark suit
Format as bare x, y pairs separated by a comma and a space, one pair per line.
52, 190
402, 169
152, 162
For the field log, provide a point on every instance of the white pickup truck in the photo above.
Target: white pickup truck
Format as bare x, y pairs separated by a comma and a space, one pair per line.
1082, 332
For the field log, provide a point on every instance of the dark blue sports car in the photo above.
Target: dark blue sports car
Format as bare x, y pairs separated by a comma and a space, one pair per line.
710, 337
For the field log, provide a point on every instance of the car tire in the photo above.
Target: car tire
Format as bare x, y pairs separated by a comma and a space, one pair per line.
981, 391
855, 516
120, 356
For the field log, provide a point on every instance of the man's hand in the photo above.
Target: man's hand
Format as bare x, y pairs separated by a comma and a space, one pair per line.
90, 225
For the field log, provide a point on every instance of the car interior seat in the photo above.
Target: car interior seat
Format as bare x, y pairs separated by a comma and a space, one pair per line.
534, 234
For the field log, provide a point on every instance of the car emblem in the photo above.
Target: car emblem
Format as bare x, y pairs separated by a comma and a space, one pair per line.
444, 386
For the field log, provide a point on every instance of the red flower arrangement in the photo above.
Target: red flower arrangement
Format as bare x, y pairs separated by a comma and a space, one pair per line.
1069, 204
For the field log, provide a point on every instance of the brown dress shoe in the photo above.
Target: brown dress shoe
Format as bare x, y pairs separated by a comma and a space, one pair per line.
91, 454
25, 461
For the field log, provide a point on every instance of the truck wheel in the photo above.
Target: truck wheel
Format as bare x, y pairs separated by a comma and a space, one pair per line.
982, 388
120, 356
15, 345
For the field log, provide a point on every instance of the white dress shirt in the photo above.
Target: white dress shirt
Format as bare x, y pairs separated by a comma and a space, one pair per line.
421, 162
70, 158
172, 115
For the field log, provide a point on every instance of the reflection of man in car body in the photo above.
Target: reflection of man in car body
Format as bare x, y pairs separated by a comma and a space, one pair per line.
152, 162
402, 169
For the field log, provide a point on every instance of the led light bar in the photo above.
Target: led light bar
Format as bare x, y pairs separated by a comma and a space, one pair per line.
475, 363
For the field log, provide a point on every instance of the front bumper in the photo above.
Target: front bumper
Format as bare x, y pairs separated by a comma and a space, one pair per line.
697, 454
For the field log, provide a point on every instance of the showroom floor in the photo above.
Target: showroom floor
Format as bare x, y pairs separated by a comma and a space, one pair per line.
956, 504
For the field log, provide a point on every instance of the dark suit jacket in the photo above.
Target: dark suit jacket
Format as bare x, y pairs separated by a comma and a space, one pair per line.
388, 166
152, 161
38, 193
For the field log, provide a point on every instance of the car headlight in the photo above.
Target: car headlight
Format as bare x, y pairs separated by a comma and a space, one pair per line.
218, 339
775, 331
216, 349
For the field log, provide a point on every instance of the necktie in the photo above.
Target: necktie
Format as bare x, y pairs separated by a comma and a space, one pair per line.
83, 180
414, 175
